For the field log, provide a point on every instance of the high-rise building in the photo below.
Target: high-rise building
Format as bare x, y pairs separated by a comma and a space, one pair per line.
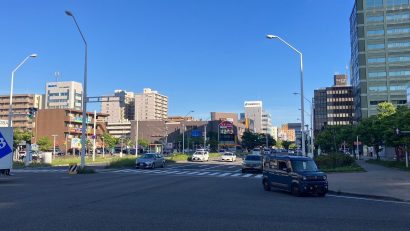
380, 53
64, 95
121, 108
150, 105
267, 127
21, 105
254, 111
333, 105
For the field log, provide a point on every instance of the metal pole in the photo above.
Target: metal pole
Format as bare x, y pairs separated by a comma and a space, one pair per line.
84, 122
54, 144
357, 146
183, 138
312, 128
137, 130
205, 134
103, 151
407, 158
303, 105
95, 136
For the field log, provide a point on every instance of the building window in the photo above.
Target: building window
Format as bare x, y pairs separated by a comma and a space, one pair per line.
377, 74
378, 88
374, 3
375, 46
376, 60
397, 2
403, 30
375, 32
399, 73
398, 44
398, 17
399, 59
398, 88
372, 18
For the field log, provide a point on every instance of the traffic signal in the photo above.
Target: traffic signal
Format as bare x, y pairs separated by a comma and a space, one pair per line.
32, 112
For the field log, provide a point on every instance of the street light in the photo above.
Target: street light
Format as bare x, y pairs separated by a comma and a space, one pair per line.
54, 144
84, 122
311, 122
12, 86
301, 87
183, 133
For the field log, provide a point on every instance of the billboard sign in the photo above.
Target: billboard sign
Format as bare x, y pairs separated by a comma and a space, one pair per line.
226, 131
76, 143
6, 148
4, 123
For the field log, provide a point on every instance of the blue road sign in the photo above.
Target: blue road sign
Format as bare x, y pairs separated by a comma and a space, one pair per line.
4, 147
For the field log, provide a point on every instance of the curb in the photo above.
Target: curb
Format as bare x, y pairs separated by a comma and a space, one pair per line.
386, 198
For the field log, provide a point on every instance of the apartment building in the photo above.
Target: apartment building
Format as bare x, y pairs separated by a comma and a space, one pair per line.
151, 105
62, 95
21, 105
121, 108
254, 112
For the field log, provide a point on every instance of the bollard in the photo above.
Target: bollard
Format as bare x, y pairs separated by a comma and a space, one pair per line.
73, 169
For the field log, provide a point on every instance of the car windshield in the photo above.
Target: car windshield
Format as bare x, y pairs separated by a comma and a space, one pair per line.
304, 166
254, 158
198, 153
148, 156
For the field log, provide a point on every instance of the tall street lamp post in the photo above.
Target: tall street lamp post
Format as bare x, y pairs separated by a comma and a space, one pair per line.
12, 86
312, 107
183, 133
301, 88
84, 122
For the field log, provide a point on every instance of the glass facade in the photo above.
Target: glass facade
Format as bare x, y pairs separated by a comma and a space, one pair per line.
380, 53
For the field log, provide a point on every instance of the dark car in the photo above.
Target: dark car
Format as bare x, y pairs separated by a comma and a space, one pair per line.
296, 174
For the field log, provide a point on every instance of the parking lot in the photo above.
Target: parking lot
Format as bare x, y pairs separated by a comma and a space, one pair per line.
112, 200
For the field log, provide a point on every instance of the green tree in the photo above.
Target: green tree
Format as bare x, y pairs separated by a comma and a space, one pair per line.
144, 143
292, 146
44, 144
19, 136
279, 144
385, 109
250, 140
286, 144
110, 141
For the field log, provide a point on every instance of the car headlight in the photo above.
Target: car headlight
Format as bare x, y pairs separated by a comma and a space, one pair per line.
304, 178
324, 177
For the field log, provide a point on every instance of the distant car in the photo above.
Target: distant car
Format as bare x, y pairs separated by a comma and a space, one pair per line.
267, 151
222, 151
228, 156
150, 160
252, 163
22, 155
100, 151
200, 156
291, 151
298, 175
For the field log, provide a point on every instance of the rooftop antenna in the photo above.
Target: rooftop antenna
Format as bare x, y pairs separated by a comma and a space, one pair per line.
57, 74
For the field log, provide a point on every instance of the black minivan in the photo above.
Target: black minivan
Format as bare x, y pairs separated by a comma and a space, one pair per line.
296, 174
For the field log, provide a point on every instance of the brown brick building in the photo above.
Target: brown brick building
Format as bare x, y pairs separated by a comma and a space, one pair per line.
67, 124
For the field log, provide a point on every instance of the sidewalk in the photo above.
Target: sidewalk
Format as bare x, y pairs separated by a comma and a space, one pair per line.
378, 181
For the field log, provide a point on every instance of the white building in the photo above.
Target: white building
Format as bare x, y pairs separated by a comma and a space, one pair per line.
119, 130
267, 123
64, 95
254, 111
150, 105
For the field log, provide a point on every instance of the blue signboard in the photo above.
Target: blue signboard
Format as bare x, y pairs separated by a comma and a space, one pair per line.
4, 147
196, 133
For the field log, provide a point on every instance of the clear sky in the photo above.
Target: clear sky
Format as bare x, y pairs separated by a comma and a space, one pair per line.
205, 55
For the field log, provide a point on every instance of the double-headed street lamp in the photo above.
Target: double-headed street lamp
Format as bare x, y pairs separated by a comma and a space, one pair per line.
301, 88
12, 86
84, 124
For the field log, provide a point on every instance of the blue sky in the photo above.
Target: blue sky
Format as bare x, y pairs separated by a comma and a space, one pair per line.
205, 55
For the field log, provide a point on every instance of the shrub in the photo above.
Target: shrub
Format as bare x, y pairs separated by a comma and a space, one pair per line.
334, 160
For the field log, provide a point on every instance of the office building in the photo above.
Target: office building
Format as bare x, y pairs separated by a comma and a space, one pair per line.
150, 105
254, 111
21, 105
119, 130
289, 131
120, 108
334, 105
380, 53
64, 95
267, 127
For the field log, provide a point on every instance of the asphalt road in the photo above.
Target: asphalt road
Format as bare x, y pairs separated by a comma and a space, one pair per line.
114, 201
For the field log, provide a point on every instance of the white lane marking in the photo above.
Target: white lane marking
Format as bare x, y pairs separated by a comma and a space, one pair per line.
234, 166
247, 175
213, 174
180, 173
369, 199
236, 174
204, 173
217, 166
225, 174
192, 173
259, 176
171, 172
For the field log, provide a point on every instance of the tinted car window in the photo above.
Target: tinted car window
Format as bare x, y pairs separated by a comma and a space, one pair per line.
304, 166
254, 158
149, 156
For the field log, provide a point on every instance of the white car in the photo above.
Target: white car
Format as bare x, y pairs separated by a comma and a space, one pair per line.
228, 156
200, 156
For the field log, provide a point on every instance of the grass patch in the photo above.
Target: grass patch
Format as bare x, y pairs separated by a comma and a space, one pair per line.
390, 164
125, 162
66, 160
215, 155
179, 157
352, 168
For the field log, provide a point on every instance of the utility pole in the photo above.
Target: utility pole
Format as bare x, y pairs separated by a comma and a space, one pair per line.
95, 136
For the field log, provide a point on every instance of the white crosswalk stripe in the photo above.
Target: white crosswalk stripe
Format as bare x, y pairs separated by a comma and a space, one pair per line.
148, 171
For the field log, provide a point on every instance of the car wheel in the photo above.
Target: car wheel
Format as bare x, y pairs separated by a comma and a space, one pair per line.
153, 166
266, 185
243, 171
295, 190
321, 194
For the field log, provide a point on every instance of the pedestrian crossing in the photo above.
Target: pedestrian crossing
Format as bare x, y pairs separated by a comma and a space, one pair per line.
186, 173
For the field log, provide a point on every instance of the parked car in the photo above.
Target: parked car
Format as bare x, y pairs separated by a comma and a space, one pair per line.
150, 160
252, 163
100, 151
296, 174
228, 156
200, 156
